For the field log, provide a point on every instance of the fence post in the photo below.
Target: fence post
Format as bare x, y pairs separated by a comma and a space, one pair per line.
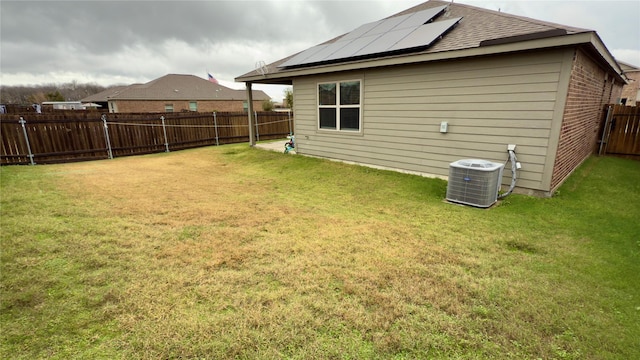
605, 130
290, 129
164, 129
215, 126
106, 135
26, 137
255, 113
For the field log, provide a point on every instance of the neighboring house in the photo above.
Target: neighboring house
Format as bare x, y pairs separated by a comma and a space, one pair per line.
379, 95
631, 91
175, 93
64, 105
102, 98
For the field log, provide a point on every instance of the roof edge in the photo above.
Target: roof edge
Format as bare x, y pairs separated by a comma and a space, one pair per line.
597, 43
543, 43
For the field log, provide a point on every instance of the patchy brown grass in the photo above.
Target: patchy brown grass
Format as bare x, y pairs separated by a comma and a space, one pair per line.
234, 252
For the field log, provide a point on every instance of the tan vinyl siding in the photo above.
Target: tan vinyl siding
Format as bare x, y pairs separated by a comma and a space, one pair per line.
488, 102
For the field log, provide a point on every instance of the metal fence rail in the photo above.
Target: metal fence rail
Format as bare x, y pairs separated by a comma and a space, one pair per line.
45, 138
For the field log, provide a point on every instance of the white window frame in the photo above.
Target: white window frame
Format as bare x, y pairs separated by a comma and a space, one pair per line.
339, 106
194, 107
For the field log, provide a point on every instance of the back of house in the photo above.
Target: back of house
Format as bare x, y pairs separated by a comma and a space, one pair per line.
444, 81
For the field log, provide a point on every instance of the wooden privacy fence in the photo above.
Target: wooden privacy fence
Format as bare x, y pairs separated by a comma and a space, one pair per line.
69, 137
621, 132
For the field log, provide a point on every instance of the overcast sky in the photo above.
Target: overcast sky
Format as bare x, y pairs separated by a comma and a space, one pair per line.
125, 42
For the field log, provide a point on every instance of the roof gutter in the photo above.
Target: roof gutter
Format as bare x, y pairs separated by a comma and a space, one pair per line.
597, 43
544, 43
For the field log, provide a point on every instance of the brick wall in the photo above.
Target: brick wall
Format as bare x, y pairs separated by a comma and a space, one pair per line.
631, 90
151, 106
590, 88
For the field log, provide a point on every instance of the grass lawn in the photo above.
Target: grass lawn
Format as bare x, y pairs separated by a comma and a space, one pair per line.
233, 252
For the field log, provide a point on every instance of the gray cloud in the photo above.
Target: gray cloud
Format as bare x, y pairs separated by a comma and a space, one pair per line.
104, 26
110, 42
617, 22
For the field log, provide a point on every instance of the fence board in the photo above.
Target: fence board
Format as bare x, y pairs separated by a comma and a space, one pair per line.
623, 132
80, 135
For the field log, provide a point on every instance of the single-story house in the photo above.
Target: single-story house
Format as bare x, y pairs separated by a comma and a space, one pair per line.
444, 81
631, 91
175, 93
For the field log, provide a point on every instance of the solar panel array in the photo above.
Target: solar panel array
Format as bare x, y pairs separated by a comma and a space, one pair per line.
399, 33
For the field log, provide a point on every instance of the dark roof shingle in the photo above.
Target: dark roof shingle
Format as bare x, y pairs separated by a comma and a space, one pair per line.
175, 87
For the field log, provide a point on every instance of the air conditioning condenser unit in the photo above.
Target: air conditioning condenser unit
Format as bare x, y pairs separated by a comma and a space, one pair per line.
474, 182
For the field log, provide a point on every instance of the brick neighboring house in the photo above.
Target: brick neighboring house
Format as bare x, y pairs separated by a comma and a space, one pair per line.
175, 93
631, 91
379, 94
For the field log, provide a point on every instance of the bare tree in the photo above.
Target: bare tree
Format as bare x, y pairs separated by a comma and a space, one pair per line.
72, 91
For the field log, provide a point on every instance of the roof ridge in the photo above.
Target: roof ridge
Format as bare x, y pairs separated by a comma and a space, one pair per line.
519, 17
493, 12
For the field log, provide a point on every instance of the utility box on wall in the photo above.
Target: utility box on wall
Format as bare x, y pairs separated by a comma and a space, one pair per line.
474, 182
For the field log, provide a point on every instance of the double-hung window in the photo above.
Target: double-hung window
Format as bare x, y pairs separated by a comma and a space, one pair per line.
339, 105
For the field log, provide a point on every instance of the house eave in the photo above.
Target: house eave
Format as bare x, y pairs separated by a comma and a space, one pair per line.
585, 38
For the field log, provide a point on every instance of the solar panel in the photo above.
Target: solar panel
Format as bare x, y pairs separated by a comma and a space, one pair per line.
299, 59
394, 23
421, 17
387, 25
391, 34
354, 46
424, 35
326, 52
360, 31
384, 42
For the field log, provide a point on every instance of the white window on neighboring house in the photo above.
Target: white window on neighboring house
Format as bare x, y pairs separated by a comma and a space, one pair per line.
339, 106
168, 108
193, 106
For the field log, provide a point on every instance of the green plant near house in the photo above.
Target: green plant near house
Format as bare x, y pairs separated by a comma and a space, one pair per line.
55, 96
267, 105
288, 98
235, 252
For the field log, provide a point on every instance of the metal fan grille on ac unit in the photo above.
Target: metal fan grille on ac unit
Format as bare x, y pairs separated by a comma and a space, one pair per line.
474, 182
